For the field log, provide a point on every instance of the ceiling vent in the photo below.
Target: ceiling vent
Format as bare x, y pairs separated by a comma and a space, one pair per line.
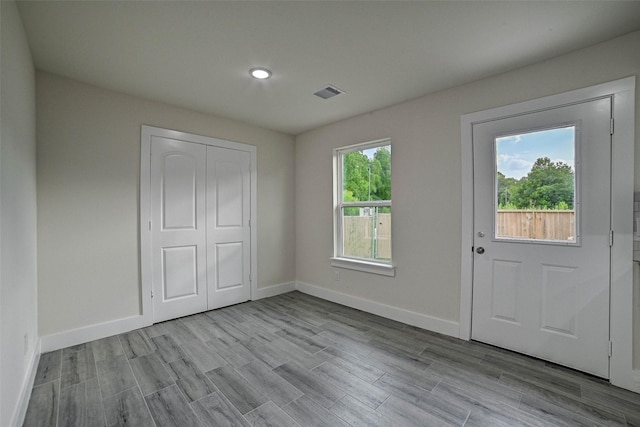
328, 92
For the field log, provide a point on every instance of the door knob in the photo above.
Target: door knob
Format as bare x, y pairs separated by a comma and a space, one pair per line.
480, 250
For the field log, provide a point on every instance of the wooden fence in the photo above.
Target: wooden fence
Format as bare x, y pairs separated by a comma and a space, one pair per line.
545, 225
365, 239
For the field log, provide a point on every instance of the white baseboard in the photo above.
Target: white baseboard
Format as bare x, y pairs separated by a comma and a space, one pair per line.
27, 385
91, 333
272, 291
442, 326
107, 329
636, 377
119, 326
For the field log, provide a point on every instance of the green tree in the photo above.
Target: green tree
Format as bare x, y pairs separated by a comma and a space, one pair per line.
367, 179
546, 186
356, 176
506, 189
381, 170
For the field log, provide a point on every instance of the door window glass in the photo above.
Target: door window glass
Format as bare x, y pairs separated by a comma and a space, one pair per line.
536, 186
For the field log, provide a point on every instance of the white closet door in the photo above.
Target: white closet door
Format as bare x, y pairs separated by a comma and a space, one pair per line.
178, 233
228, 226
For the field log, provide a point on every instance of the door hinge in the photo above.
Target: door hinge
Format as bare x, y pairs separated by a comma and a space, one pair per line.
610, 238
151, 294
611, 126
610, 348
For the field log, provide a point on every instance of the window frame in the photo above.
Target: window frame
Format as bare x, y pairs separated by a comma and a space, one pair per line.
386, 268
577, 132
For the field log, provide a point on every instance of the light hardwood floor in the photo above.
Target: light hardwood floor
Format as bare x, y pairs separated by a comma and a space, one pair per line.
296, 360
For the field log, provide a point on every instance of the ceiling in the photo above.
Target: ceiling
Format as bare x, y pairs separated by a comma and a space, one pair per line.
197, 54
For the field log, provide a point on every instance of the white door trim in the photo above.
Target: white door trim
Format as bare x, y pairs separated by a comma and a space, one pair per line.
622, 182
147, 132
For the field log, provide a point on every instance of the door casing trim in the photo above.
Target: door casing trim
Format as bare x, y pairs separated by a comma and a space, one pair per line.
147, 133
622, 186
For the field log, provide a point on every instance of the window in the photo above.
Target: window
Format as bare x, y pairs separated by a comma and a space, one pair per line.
362, 207
536, 186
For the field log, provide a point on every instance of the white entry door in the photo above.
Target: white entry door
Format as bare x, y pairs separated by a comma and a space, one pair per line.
178, 231
541, 234
200, 211
228, 232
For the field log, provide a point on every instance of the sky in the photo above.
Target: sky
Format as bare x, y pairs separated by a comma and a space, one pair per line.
517, 153
371, 151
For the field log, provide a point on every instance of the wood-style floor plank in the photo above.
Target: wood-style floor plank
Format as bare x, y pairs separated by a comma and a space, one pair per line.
270, 415
136, 344
182, 368
357, 414
484, 409
43, 405
306, 412
407, 390
170, 409
167, 348
270, 384
477, 383
127, 408
403, 413
311, 384
150, 374
49, 367
292, 352
115, 375
422, 398
81, 405
106, 348
554, 414
196, 387
180, 333
235, 354
216, 411
353, 365
203, 355
301, 340
77, 366
262, 351
363, 391
235, 388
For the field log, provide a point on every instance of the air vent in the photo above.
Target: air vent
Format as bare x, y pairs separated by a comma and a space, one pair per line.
328, 92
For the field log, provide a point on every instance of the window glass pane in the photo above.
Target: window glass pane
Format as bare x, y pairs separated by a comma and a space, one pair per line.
366, 175
535, 183
366, 232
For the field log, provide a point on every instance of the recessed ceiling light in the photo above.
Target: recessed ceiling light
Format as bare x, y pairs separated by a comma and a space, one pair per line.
260, 73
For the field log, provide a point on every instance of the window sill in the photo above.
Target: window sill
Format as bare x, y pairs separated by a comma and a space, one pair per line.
364, 266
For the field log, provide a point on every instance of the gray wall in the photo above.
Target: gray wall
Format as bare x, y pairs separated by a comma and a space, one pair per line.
88, 201
18, 271
425, 135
